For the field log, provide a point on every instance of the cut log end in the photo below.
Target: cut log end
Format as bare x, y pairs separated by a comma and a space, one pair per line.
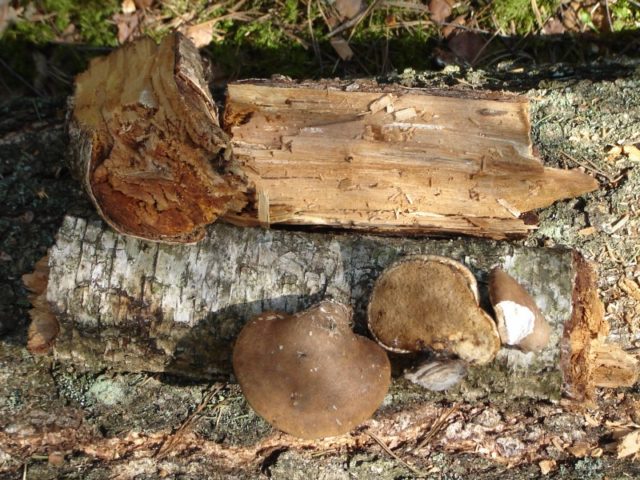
147, 145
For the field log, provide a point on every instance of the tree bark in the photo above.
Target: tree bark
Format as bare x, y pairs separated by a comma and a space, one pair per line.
136, 306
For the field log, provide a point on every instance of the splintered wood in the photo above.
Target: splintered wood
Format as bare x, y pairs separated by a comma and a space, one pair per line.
390, 159
146, 143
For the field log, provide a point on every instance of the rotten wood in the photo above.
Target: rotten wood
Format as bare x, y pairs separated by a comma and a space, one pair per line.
148, 148
390, 159
146, 143
131, 305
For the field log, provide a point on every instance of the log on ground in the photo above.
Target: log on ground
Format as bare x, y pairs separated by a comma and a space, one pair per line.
391, 159
130, 305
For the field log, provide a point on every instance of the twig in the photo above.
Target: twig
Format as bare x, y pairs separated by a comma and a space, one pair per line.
395, 456
314, 41
168, 444
589, 166
437, 426
353, 22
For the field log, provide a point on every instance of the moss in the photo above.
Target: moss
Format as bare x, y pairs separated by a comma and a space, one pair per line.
520, 14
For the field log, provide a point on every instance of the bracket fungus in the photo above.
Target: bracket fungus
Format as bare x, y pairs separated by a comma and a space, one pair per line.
430, 302
520, 321
308, 374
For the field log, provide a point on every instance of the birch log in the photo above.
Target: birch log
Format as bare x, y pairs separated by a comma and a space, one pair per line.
131, 305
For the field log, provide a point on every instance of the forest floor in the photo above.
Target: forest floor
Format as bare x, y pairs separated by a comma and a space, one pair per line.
56, 422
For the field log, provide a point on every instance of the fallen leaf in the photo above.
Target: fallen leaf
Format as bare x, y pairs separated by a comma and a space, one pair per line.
56, 459
348, 9
466, 46
632, 152
629, 444
553, 26
200, 34
580, 449
341, 46
128, 6
127, 24
547, 466
452, 27
439, 10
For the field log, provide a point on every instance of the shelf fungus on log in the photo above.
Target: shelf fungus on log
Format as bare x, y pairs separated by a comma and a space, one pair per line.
431, 303
385, 158
520, 321
308, 374
131, 305
146, 143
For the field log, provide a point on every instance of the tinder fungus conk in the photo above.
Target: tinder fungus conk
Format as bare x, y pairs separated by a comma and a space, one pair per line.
430, 302
308, 374
520, 321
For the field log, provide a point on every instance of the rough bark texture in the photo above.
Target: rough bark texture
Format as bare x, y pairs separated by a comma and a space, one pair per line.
146, 143
388, 158
130, 305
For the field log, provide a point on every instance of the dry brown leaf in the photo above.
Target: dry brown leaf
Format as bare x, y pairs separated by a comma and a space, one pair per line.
128, 6
127, 24
629, 444
579, 449
466, 46
546, 466
439, 10
342, 48
348, 9
453, 26
553, 26
200, 34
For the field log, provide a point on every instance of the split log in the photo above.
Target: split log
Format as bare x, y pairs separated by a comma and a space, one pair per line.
151, 155
391, 159
131, 305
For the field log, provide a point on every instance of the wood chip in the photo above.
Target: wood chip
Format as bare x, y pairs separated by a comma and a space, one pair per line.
629, 444
585, 232
547, 466
405, 114
630, 287
381, 103
632, 152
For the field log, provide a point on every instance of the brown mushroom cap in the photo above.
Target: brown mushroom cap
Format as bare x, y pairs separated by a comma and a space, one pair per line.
308, 374
520, 321
428, 302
